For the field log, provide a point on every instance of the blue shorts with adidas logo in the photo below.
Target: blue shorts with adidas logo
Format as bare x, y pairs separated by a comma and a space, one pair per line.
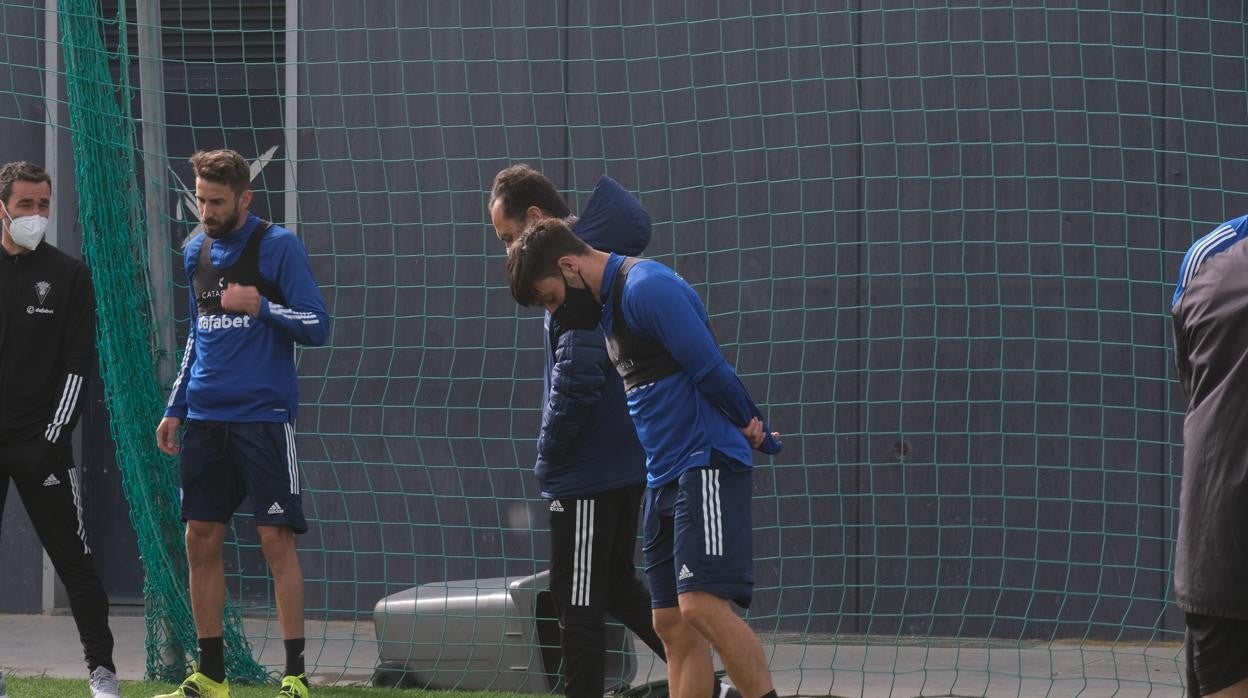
699, 535
224, 463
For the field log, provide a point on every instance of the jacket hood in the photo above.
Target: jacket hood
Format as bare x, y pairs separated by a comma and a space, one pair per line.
613, 220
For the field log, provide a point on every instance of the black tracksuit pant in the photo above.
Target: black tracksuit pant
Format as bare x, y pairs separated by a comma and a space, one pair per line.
47, 482
592, 543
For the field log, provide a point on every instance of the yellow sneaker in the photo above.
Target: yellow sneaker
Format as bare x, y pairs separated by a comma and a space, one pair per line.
199, 686
294, 687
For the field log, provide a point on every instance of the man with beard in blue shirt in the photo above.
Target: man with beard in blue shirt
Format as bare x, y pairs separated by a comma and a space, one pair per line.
252, 298
698, 426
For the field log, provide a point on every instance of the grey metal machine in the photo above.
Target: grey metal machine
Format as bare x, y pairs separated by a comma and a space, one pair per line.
495, 634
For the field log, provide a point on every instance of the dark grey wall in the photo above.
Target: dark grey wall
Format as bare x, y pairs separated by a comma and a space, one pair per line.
937, 242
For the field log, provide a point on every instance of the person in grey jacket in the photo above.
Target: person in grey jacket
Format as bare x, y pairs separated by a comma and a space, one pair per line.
1210, 312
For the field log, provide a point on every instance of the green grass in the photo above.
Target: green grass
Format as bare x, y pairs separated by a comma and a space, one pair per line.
70, 688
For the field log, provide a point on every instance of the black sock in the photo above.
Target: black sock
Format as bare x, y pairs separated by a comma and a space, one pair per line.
769, 694
294, 657
212, 658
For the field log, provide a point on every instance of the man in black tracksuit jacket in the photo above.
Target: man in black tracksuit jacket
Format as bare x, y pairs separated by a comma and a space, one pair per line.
47, 351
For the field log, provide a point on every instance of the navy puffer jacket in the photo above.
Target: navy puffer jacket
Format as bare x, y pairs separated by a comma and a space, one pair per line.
587, 443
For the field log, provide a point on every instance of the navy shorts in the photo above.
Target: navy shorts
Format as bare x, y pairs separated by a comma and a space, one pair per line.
699, 535
226, 462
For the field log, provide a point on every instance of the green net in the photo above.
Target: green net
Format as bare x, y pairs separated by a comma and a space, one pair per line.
116, 249
937, 241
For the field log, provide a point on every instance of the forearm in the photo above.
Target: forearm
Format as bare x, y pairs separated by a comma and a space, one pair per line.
68, 408
176, 405
577, 381
310, 327
724, 389
78, 353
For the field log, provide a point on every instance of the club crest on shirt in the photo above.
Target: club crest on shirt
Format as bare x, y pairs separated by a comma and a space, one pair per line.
42, 288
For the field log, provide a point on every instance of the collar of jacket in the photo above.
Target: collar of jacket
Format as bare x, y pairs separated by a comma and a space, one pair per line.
15, 258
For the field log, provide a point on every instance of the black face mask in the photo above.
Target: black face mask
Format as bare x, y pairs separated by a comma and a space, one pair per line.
580, 310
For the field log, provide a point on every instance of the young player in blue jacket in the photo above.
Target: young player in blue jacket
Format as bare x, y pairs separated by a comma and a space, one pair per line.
252, 299
698, 426
590, 466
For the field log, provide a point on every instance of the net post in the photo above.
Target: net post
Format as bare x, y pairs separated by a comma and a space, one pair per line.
151, 102
290, 123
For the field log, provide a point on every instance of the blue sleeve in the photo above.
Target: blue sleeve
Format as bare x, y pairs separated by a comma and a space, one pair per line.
283, 259
176, 406
663, 307
576, 384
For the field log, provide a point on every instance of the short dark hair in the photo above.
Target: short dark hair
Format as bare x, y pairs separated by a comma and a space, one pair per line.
520, 187
222, 167
535, 256
20, 170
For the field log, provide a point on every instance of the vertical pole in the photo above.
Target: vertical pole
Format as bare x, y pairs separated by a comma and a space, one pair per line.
291, 120
51, 101
51, 143
155, 191
156, 208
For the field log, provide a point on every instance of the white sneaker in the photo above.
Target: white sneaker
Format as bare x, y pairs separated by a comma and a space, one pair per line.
103, 684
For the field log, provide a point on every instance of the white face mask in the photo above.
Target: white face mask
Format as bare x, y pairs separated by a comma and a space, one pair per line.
27, 231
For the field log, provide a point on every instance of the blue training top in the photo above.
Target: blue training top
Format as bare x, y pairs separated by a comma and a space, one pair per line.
689, 419
242, 369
